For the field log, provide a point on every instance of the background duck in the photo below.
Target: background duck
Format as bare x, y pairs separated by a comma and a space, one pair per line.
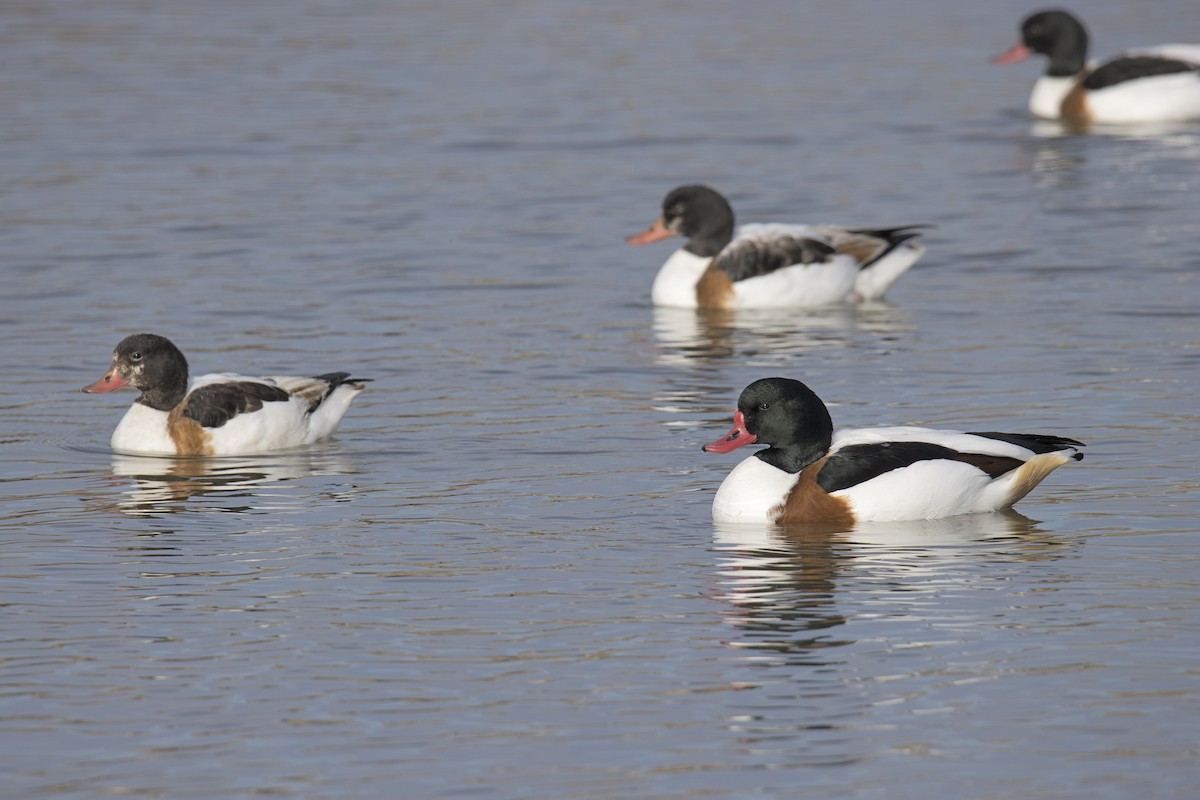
221, 414
1154, 84
769, 265
809, 475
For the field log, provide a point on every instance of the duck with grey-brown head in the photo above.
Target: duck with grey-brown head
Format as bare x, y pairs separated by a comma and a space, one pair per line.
772, 265
221, 414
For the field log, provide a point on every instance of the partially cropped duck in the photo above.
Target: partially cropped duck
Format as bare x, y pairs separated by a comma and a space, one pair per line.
222, 414
1154, 84
769, 265
808, 474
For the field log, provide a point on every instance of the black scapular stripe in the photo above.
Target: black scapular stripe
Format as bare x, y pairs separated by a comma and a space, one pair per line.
217, 403
750, 258
859, 463
1134, 67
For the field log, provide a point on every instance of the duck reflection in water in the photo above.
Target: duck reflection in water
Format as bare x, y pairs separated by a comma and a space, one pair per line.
781, 585
705, 336
151, 486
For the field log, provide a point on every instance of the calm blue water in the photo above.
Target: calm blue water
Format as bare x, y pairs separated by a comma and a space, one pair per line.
500, 580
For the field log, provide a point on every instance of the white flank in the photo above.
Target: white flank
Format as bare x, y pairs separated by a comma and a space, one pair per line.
925, 490
799, 286
275, 426
1161, 98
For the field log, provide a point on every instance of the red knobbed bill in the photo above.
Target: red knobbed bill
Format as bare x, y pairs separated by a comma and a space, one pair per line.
111, 381
737, 437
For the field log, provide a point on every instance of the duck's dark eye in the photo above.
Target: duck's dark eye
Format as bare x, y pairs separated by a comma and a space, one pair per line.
763, 406
135, 356
676, 210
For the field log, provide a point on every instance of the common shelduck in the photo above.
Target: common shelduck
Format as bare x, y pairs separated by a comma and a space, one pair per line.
769, 265
223, 414
808, 474
1154, 84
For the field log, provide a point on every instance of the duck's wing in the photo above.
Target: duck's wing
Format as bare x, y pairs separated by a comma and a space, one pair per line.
763, 249
215, 400
1136, 67
317, 389
868, 245
860, 455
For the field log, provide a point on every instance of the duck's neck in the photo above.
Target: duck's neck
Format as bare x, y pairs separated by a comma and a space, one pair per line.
795, 458
1065, 65
167, 393
707, 245
1069, 55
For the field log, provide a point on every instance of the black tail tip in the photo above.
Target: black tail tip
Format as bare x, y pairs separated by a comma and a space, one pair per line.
339, 378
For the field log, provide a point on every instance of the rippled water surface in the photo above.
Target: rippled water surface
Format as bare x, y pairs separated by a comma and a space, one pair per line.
500, 579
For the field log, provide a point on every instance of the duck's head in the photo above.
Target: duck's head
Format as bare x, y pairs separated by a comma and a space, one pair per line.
147, 362
782, 413
1056, 34
695, 212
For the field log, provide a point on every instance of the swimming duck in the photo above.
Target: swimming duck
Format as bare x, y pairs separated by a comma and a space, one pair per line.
222, 414
808, 474
769, 265
1155, 84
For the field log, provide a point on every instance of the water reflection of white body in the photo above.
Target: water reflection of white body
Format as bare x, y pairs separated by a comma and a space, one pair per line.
153, 486
1058, 152
690, 335
1169, 134
782, 586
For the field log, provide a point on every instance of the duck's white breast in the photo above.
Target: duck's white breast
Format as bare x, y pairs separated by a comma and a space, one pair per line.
750, 491
143, 430
675, 284
1048, 93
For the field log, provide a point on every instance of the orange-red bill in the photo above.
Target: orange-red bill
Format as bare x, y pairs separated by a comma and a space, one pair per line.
655, 233
111, 381
737, 437
1018, 52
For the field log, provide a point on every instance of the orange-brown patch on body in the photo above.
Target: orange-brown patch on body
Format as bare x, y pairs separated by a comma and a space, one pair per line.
808, 503
714, 289
189, 436
1075, 109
